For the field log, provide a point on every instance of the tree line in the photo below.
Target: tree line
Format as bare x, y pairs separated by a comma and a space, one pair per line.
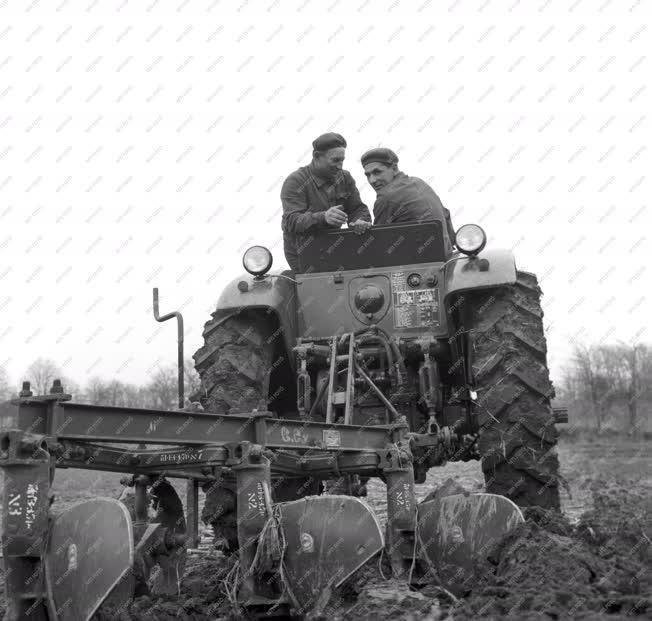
160, 392
606, 386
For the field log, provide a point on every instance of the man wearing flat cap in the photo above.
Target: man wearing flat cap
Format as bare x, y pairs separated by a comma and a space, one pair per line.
400, 198
320, 196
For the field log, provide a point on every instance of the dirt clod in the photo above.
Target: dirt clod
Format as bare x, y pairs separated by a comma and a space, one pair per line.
548, 567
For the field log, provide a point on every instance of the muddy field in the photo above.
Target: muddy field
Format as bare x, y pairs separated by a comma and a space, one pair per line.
591, 563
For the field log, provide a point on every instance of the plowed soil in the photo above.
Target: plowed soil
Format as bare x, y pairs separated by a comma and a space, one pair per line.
591, 562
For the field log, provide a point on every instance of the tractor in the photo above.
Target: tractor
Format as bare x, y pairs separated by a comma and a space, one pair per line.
384, 327
384, 355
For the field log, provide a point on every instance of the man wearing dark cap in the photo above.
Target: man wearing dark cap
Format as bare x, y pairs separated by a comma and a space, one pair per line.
319, 197
400, 198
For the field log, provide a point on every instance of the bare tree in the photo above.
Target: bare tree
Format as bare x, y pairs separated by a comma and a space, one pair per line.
191, 380
644, 359
116, 393
95, 391
5, 386
639, 374
162, 389
113, 392
612, 372
622, 366
41, 373
611, 379
588, 375
135, 396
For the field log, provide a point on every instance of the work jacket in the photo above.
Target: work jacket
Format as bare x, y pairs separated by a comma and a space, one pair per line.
305, 197
410, 199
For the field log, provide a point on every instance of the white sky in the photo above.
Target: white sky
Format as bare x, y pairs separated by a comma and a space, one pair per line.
144, 143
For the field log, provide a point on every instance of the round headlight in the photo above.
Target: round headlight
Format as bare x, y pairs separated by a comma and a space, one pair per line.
470, 239
257, 260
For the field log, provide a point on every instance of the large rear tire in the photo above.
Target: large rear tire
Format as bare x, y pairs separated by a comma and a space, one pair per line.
508, 358
235, 365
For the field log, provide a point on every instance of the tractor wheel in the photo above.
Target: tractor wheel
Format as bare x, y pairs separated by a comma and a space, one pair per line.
508, 357
234, 366
234, 363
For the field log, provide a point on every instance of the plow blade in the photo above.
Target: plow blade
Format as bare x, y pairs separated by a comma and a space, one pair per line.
456, 533
326, 539
90, 549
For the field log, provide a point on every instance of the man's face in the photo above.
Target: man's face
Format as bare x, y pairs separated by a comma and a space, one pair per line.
379, 175
330, 162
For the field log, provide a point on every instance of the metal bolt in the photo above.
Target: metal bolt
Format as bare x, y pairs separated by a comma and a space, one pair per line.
26, 391
57, 387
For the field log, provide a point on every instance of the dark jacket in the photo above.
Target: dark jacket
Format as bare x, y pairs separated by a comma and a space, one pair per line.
410, 199
305, 197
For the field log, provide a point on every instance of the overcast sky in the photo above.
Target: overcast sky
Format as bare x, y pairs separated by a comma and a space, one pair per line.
144, 144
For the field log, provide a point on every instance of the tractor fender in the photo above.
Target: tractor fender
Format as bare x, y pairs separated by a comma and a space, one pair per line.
273, 293
491, 268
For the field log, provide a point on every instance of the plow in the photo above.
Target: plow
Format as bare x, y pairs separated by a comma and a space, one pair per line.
380, 359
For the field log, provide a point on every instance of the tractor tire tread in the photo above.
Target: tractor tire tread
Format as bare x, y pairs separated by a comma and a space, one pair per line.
234, 364
517, 439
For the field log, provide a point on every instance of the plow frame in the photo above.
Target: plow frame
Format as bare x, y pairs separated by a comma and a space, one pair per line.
42, 433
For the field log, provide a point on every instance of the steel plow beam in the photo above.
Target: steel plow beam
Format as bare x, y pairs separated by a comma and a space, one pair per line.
199, 462
118, 459
91, 423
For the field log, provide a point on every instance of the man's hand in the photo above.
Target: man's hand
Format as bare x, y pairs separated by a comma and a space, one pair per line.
335, 216
360, 226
